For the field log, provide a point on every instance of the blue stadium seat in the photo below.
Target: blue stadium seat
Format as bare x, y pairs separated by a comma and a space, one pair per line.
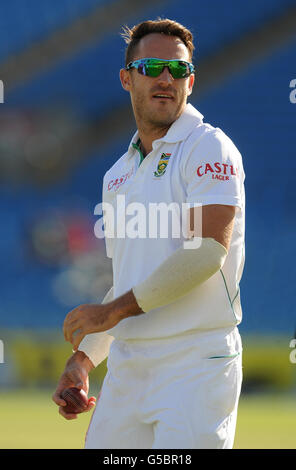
23, 23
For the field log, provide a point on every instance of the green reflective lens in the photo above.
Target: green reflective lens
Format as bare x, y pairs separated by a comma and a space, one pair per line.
154, 67
179, 69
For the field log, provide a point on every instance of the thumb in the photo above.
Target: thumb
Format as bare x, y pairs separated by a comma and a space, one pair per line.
79, 383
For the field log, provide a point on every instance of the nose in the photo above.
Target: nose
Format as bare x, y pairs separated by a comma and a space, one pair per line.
165, 78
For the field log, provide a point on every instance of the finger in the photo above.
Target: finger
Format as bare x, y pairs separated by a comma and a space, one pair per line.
91, 404
69, 329
67, 415
58, 400
77, 336
65, 325
65, 329
72, 328
92, 401
70, 317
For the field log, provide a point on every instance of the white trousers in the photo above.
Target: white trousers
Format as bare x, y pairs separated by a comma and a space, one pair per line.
172, 393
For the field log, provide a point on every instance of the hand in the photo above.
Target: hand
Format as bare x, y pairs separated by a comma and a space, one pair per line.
85, 319
94, 318
75, 375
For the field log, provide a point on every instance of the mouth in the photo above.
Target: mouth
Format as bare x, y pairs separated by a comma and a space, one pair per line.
163, 96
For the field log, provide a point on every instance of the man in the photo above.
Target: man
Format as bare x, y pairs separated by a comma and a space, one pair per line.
174, 365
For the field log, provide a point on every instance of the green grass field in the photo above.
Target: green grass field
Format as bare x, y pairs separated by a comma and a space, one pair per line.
29, 420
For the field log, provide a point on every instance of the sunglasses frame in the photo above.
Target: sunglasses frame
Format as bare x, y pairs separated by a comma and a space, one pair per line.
136, 63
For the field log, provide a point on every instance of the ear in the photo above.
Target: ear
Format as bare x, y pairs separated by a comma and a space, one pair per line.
125, 79
190, 84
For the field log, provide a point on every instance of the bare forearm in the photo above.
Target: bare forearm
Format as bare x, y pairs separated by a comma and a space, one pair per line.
125, 306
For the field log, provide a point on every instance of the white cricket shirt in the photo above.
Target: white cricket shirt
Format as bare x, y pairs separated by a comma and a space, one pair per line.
193, 163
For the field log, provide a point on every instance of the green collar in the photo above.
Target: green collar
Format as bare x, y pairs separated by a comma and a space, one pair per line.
137, 147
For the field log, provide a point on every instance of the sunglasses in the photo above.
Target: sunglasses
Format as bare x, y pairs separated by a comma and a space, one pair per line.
154, 67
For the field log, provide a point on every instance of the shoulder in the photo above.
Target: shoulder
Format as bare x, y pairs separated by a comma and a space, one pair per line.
205, 135
208, 143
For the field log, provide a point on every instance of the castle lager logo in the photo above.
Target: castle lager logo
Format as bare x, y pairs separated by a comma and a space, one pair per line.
217, 170
162, 164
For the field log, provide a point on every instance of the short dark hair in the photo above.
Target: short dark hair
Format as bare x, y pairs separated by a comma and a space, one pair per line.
164, 26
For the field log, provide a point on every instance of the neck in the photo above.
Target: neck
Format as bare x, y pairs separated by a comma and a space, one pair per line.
147, 137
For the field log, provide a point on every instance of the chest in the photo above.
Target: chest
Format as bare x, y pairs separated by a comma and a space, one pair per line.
158, 179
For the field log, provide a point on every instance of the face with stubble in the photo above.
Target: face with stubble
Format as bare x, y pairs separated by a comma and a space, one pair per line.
158, 101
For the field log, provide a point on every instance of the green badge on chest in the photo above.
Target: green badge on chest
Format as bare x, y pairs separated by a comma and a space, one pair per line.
162, 164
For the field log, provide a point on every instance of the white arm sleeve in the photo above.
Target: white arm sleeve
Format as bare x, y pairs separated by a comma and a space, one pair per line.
179, 274
96, 345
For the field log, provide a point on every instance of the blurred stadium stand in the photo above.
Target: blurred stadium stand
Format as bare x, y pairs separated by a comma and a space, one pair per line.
65, 120
27, 22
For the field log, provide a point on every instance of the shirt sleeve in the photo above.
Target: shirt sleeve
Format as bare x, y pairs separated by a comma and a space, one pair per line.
213, 172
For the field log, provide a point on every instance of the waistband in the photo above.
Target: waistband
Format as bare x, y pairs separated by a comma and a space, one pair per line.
224, 342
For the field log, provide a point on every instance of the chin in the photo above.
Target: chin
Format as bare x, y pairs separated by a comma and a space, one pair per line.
163, 117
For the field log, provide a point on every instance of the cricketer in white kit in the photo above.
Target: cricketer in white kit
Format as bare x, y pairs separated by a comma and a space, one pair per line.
169, 323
